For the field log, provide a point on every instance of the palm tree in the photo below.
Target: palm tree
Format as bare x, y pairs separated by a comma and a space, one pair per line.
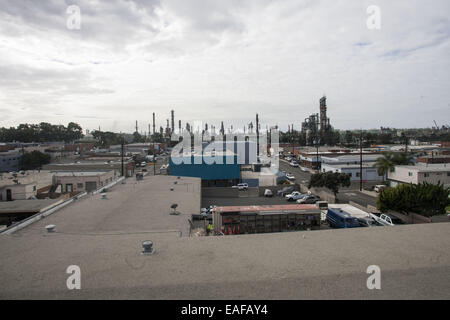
385, 164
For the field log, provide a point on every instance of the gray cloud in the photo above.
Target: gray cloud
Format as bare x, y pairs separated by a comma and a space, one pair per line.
214, 60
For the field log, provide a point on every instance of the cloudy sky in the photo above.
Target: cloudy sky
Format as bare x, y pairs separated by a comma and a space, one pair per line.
224, 60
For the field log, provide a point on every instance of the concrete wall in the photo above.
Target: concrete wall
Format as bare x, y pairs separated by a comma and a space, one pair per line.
404, 175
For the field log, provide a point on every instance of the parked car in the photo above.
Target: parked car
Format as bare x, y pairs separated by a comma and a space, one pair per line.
304, 169
241, 186
295, 196
290, 176
268, 193
285, 190
294, 164
310, 199
337, 218
379, 187
368, 222
288, 159
387, 219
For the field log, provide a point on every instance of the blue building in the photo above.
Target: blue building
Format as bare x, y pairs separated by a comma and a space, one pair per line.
220, 170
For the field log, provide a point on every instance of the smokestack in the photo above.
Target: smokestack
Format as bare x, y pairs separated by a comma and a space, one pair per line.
173, 120
257, 135
153, 123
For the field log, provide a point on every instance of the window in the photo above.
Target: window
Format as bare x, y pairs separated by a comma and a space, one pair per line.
357, 174
79, 185
426, 175
350, 174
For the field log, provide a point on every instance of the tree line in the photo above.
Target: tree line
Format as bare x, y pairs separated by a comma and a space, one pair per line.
42, 132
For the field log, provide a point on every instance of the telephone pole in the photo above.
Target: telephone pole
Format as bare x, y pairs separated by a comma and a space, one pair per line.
360, 163
122, 149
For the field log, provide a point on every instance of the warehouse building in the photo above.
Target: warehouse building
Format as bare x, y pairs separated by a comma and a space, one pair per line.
218, 169
83, 181
369, 173
10, 161
266, 219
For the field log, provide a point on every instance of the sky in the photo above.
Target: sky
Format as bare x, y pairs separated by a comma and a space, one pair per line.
224, 60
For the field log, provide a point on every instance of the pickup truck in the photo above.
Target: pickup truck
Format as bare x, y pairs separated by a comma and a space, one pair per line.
387, 219
295, 196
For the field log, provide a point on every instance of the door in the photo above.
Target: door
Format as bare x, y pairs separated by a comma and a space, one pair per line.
8, 195
91, 186
69, 187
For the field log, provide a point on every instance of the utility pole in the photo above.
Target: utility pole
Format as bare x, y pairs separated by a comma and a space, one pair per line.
317, 156
122, 156
406, 144
360, 163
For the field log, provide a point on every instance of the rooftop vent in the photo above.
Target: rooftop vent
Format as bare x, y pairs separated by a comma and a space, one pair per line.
50, 228
174, 211
147, 247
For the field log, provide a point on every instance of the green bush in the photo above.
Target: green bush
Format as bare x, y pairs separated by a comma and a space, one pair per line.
425, 199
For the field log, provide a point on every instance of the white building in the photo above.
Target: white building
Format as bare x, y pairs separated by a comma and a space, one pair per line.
369, 173
17, 192
421, 172
351, 159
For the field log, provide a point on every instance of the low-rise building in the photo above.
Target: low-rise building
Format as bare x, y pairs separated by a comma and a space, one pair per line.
10, 161
431, 173
266, 219
434, 159
18, 192
369, 173
83, 181
84, 166
216, 169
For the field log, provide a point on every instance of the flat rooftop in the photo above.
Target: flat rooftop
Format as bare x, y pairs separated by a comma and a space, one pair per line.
423, 167
414, 262
27, 206
79, 173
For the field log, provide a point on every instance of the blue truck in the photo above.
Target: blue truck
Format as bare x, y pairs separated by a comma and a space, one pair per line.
338, 218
